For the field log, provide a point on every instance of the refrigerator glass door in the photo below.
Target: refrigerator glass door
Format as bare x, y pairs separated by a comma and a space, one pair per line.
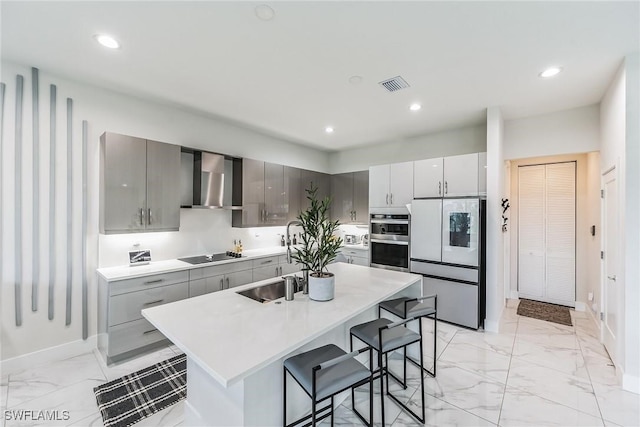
426, 230
460, 231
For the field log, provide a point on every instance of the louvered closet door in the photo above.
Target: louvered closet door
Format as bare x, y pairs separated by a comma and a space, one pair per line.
531, 232
546, 232
561, 233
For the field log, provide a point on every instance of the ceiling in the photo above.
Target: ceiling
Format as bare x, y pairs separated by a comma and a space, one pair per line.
289, 76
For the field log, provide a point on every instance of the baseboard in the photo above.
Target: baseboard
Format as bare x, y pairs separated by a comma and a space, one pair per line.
580, 306
491, 325
513, 295
51, 354
594, 318
631, 383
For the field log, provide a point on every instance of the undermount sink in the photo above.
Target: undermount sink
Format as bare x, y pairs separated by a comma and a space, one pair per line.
265, 293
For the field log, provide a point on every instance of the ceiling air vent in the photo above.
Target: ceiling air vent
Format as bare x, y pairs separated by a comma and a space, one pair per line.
394, 84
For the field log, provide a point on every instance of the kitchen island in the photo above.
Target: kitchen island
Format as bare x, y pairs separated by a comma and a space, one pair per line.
235, 345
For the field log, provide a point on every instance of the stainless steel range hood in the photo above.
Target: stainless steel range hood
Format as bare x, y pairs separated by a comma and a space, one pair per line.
205, 180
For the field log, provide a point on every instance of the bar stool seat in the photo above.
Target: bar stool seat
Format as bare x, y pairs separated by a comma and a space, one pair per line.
322, 373
414, 307
391, 338
328, 381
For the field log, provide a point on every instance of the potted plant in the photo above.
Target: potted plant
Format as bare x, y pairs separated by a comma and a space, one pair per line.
319, 245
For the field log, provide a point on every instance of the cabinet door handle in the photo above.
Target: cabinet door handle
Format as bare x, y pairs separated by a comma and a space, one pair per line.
227, 280
153, 302
267, 261
387, 199
149, 216
439, 188
222, 283
276, 271
141, 216
281, 270
355, 215
446, 188
391, 198
154, 281
149, 332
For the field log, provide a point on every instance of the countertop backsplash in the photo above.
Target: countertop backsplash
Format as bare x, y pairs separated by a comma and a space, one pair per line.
202, 231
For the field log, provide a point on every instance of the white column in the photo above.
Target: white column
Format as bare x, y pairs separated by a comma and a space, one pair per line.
631, 233
495, 242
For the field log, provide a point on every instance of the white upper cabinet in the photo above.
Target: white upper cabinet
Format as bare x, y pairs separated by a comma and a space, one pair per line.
453, 176
379, 186
401, 184
461, 175
428, 178
391, 186
482, 174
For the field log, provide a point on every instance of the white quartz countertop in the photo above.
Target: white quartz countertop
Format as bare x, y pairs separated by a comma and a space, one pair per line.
157, 267
231, 336
359, 247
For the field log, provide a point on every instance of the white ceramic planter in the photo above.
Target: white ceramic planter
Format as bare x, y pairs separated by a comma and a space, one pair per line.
322, 288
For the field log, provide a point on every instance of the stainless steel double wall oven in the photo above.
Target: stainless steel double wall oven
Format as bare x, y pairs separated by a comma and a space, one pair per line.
389, 241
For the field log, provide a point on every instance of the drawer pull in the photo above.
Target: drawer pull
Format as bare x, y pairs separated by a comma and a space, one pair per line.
154, 281
153, 302
266, 262
150, 331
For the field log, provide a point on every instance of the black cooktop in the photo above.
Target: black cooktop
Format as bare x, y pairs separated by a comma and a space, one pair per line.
203, 259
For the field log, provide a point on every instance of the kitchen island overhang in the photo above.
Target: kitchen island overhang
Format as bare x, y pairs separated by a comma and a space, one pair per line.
235, 346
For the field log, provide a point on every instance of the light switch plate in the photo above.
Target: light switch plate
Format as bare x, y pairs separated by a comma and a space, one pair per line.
140, 257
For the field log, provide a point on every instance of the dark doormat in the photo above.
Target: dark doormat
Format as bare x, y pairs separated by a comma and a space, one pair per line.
131, 398
545, 311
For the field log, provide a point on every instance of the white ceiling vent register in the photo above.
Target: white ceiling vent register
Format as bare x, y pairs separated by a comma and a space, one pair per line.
394, 84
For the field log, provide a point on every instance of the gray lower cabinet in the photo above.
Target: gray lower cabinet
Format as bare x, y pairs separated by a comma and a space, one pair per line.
122, 331
266, 268
355, 256
139, 185
216, 278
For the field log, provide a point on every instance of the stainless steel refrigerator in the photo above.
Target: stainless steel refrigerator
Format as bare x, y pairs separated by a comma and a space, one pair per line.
448, 249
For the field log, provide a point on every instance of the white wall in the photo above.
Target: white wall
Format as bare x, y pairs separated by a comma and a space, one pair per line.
587, 214
116, 112
448, 143
620, 148
563, 132
495, 237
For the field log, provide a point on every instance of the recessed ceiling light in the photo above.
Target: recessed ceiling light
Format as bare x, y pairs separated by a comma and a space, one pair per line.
328, 129
550, 72
415, 107
265, 12
107, 41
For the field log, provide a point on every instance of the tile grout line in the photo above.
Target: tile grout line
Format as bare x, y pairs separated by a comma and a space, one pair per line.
513, 346
591, 382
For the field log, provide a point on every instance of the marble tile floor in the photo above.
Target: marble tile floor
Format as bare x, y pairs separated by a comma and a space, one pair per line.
532, 373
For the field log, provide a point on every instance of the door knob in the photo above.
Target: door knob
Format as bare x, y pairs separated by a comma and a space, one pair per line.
612, 277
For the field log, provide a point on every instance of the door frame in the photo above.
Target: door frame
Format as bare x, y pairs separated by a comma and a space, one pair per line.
614, 352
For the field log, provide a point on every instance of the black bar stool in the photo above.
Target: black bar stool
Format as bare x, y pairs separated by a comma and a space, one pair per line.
385, 336
417, 308
324, 372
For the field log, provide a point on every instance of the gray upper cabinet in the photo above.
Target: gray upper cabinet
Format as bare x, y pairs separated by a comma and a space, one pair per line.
273, 194
292, 190
350, 197
319, 179
139, 185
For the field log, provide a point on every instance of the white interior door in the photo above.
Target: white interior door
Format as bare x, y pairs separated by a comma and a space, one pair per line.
610, 288
546, 232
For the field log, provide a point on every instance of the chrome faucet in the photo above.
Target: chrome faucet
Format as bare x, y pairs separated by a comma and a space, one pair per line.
289, 224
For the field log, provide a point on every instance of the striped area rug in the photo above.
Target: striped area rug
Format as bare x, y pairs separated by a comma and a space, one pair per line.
129, 399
